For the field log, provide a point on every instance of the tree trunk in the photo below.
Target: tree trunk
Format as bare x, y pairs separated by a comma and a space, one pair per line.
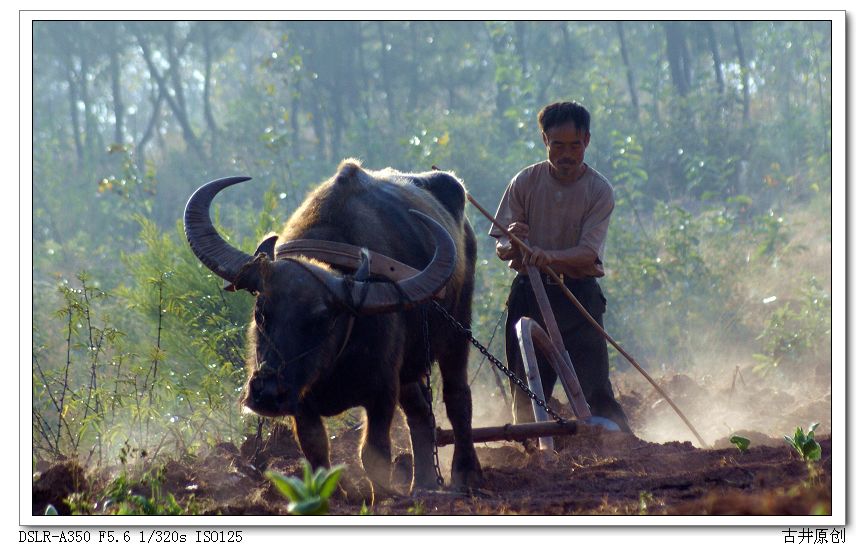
632, 86
716, 57
824, 121
743, 69
151, 127
678, 57
71, 78
208, 77
295, 111
363, 73
174, 71
384, 63
416, 63
92, 136
567, 48
116, 95
174, 103
520, 29
503, 90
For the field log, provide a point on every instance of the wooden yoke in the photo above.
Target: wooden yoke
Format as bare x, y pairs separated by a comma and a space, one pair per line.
349, 256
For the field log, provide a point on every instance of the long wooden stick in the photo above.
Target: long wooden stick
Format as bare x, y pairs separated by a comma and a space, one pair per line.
549, 271
522, 431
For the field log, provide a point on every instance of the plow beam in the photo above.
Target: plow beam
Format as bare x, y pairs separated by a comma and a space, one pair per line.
523, 431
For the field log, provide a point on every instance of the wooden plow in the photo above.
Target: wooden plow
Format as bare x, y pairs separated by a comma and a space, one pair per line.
531, 336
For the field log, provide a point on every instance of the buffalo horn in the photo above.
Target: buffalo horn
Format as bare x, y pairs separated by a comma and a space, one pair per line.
207, 245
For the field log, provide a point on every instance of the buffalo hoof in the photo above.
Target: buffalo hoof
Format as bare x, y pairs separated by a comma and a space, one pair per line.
355, 492
382, 492
467, 480
422, 488
401, 472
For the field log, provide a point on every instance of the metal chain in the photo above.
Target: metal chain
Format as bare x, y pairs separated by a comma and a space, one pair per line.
511, 375
429, 393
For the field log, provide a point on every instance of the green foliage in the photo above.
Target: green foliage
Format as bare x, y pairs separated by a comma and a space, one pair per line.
161, 355
659, 281
646, 500
740, 442
796, 332
124, 496
309, 496
417, 509
805, 445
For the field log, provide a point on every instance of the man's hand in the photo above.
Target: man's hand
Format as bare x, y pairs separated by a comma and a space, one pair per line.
505, 249
539, 258
519, 229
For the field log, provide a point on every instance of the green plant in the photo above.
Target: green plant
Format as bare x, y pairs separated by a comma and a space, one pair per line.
418, 509
124, 496
805, 444
740, 442
646, 499
798, 331
310, 496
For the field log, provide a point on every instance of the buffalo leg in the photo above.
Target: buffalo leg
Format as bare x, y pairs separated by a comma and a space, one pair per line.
375, 453
312, 437
416, 408
466, 469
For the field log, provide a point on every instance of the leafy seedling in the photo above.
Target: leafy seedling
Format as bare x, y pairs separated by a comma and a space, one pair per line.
805, 444
646, 499
309, 496
741, 442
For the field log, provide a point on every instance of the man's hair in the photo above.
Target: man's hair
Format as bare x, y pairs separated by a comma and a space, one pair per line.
558, 113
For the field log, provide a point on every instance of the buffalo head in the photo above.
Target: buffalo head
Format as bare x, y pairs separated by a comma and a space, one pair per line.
304, 310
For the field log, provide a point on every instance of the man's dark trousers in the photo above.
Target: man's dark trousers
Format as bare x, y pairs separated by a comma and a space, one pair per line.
585, 345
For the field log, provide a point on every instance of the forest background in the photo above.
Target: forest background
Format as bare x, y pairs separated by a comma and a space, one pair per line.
715, 135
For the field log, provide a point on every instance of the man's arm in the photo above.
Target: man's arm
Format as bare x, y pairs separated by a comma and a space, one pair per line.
510, 213
578, 261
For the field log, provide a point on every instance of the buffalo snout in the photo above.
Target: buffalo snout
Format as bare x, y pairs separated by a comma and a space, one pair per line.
266, 395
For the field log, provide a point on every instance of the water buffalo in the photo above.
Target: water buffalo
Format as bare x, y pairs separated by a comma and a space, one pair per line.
325, 339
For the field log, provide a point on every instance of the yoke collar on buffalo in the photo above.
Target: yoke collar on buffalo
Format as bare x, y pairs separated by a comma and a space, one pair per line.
349, 256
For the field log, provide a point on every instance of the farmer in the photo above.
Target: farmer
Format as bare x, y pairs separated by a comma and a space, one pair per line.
561, 208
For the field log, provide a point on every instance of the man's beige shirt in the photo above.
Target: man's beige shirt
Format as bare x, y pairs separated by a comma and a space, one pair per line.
559, 215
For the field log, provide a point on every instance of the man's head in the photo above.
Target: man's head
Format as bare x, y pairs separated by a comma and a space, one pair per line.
565, 130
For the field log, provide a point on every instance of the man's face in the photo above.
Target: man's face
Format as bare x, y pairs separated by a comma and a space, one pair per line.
566, 148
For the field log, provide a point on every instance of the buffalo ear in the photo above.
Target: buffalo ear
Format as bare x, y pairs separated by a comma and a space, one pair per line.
229, 286
267, 245
253, 275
